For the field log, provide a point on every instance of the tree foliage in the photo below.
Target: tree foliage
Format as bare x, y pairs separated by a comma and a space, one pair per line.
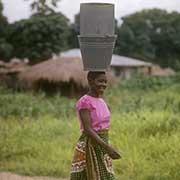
152, 35
43, 7
3, 19
74, 32
40, 36
5, 47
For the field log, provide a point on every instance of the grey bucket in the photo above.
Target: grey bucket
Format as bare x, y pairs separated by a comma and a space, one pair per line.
96, 52
96, 19
97, 37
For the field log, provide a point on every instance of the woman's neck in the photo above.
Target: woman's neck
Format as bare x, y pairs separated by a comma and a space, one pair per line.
94, 94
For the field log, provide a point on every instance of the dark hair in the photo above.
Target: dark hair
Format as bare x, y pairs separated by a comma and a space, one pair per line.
94, 74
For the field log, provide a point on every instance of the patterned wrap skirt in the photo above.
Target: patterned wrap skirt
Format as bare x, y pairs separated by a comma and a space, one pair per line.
91, 161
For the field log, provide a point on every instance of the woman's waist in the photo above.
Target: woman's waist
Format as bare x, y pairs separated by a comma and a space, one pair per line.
104, 131
97, 126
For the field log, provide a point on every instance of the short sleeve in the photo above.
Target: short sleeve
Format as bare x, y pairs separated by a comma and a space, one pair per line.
84, 103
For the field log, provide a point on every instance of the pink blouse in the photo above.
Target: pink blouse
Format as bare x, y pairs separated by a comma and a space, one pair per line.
99, 112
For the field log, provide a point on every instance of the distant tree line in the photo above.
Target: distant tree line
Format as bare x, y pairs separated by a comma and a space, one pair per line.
150, 35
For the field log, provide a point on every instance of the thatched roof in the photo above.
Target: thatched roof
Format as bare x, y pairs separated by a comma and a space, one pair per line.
14, 66
118, 61
2, 63
59, 70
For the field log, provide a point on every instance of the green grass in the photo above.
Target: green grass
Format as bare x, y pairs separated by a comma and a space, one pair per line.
37, 133
42, 147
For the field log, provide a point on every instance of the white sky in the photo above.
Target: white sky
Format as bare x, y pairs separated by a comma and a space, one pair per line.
19, 9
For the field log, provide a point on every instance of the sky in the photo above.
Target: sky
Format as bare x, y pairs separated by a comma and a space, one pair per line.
20, 9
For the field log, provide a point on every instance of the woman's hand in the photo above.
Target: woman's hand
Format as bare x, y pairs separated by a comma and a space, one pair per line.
113, 153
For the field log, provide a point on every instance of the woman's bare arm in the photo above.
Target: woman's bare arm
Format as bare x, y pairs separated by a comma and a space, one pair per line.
86, 119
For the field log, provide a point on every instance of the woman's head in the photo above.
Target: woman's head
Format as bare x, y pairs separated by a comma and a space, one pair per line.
97, 81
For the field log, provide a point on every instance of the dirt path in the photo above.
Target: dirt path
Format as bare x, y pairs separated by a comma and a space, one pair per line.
11, 176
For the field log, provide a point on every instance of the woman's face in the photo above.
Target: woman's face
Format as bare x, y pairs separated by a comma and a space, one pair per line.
99, 84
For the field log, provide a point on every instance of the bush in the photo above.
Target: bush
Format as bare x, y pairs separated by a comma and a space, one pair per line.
149, 82
31, 106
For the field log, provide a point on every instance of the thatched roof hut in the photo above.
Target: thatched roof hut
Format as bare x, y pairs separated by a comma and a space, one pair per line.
9, 72
60, 74
2, 63
56, 70
14, 66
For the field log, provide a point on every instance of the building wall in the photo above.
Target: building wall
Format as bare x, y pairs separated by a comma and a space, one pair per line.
124, 72
128, 72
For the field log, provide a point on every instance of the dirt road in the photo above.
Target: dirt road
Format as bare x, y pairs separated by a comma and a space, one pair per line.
11, 176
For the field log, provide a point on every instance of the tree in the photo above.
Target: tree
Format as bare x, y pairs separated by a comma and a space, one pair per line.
74, 32
3, 20
39, 37
5, 47
44, 7
151, 35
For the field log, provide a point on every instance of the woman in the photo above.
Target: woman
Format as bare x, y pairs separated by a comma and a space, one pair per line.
93, 155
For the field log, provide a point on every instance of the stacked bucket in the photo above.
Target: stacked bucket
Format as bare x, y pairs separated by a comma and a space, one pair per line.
97, 38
